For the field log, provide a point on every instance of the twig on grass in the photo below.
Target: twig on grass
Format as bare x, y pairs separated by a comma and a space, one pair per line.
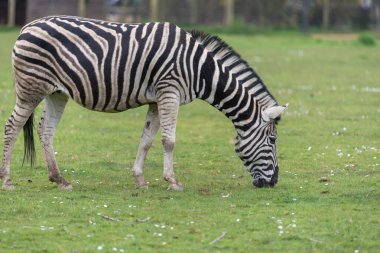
314, 240
218, 238
109, 218
66, 230
369, 193
143, 220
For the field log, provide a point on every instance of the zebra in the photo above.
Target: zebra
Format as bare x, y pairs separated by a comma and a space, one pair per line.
112, 67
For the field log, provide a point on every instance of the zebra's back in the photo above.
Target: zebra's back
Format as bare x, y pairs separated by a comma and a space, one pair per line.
103, 66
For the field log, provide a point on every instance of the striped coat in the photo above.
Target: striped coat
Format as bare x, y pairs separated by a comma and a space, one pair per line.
112, 67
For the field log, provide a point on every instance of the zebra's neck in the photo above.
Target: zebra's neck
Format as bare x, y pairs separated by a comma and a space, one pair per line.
230, 85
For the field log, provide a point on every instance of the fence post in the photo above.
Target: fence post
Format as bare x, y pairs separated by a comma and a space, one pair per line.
229, 12
82, 8
153, 10
194, 11
326, 14
305, 15
377, 15
11, 12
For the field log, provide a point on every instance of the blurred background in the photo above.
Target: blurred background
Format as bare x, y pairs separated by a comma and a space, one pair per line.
336, 15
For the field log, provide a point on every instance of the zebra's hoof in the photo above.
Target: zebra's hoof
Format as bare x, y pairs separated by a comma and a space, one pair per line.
140, 182
8, 186
65, 187
176, 187
143, 186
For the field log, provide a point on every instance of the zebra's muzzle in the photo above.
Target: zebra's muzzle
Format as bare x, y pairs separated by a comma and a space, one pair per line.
262, 182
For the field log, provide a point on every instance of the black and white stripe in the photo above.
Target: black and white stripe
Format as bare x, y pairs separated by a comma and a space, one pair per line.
112, 67
242, 96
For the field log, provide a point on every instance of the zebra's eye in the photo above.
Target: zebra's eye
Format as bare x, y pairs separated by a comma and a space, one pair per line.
272, 140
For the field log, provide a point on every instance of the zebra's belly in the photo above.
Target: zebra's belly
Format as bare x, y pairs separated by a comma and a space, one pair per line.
114, 102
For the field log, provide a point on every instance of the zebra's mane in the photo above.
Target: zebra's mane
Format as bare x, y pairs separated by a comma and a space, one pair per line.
227, 56
221, 51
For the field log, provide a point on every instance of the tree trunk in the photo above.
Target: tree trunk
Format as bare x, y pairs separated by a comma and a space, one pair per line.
229, 12
11, 12
82, 8
153, 10
261, 13
377, 15
305, 16
326, 14
194, 11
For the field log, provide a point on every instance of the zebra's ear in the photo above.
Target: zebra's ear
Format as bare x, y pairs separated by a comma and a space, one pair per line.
274, 112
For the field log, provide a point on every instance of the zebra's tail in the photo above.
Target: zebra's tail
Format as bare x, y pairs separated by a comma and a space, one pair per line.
29, 150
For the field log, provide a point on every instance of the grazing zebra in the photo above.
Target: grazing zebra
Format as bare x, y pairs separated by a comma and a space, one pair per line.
112, 67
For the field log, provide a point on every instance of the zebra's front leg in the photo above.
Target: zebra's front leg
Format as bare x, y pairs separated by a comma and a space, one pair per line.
168, 107
54, 107
152, 123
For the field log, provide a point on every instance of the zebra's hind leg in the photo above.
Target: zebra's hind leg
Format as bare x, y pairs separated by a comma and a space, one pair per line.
54, 107
17, 120
168, 106
152, 123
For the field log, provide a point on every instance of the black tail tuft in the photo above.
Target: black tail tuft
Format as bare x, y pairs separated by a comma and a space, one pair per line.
29, 150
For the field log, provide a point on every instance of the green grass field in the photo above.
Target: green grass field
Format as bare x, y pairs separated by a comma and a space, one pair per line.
330, 130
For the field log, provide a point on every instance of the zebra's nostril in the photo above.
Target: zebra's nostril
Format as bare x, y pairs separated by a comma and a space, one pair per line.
260, 182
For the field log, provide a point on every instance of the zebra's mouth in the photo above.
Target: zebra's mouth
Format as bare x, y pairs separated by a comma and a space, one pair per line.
260, 182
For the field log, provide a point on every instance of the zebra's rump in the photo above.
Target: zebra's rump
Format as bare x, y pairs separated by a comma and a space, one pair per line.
102, 66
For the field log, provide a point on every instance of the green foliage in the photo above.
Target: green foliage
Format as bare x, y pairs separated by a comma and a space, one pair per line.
9, 29
327, 199
367, 39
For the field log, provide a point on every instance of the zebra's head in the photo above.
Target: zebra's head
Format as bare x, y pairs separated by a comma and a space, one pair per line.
257, 148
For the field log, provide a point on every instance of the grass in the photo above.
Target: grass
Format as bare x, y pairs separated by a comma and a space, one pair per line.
331, 130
